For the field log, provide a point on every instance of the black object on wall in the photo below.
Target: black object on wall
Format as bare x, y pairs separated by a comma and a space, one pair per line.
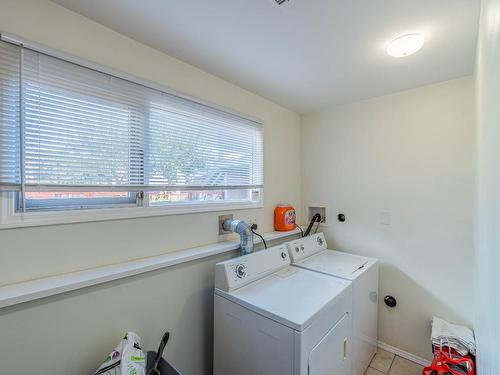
390, 301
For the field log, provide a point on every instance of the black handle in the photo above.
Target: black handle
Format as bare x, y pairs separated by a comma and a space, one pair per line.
161, 348
315, 218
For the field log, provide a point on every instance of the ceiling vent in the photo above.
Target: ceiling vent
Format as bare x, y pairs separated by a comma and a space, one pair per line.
281, 2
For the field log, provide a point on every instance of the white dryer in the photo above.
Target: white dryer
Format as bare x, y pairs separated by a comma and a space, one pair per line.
311, 253
271, 318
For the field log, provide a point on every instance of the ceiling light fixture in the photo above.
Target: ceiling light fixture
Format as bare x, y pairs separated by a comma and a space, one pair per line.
405, 45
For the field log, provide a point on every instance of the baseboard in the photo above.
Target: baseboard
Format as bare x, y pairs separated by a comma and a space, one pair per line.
411, 357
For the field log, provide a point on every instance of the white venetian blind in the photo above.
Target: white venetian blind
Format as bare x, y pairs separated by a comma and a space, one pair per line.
87, 130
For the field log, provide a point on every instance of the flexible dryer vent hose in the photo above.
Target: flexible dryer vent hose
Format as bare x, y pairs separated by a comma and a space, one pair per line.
245, 232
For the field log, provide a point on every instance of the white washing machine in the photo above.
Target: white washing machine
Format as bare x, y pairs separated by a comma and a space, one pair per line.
311, 253
271, 318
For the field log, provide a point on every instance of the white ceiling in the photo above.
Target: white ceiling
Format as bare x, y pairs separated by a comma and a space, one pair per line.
305, 54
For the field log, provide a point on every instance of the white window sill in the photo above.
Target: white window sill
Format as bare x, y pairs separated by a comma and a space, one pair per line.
32, 290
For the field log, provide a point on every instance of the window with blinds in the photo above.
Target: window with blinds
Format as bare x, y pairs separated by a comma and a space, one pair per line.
74, 137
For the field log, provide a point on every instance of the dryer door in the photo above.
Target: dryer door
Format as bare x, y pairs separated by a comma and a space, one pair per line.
331, 354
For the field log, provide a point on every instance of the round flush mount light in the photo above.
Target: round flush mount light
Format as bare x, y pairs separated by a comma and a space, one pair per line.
405, 45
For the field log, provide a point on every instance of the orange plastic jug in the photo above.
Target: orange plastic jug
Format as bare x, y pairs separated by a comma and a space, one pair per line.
284, 218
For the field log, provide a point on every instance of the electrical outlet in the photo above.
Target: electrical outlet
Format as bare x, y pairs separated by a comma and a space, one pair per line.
252, 221
222, 219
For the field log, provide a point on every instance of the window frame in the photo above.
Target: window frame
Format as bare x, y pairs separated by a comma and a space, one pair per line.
10, 217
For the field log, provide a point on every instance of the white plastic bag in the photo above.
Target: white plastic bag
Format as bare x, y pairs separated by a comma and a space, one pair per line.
126, 359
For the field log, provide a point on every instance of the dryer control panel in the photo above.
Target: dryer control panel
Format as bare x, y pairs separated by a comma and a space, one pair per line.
237, 272
306, 246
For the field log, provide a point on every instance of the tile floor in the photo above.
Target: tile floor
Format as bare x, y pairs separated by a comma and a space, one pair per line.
385, 363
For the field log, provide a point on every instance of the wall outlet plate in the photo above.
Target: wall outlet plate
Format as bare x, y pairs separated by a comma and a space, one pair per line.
385, 218
222, 219
317, 209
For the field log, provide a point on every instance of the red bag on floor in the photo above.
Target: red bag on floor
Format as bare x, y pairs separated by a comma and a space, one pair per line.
444, 364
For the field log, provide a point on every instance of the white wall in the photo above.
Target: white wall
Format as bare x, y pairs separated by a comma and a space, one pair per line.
410, 154
181, 297
487, 317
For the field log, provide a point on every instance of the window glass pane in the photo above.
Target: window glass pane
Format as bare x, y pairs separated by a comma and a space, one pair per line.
41, 195
172, 197
64, 200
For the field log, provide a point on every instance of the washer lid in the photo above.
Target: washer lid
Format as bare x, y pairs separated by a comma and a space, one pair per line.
336, 263
291, 296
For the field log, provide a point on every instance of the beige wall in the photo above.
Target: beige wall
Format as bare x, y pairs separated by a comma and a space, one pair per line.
410, 154
487, 312
72, 333
37, 252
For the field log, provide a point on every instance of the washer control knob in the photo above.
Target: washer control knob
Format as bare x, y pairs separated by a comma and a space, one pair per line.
240, 270
320, 241
296, 249
302, 247
283, 255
